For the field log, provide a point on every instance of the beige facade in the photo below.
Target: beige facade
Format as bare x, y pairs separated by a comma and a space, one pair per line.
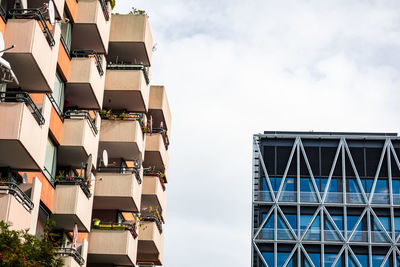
85, 135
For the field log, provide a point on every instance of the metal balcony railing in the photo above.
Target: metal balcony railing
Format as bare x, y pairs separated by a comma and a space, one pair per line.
116, 226
88, 54
82, 114
103, 5
15, 190
128, 66
69, 180
55, 105
36, 14
19, 96
121, 170
164, 135
151, 217
70, 252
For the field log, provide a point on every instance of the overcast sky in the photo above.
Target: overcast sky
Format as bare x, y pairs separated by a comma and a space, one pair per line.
234, 68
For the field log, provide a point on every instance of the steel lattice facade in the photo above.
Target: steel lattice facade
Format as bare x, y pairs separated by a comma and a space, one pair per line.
326, 199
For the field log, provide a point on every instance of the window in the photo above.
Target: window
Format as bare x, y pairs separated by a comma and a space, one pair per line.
50, 162
58, 92
66, 32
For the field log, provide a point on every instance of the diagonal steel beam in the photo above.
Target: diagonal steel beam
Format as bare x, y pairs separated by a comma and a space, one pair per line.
332, 169
295, 145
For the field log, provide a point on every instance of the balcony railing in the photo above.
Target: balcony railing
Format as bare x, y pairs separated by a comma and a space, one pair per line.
116, 226
34, 13
125, 66
122, 170
55, 106
15, 190
103, 5
164, 135
153, 217
82, 114
18, 96
90, 53
70, 252
69, 180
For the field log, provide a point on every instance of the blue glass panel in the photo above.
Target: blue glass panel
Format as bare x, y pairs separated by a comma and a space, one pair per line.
381, 192
269, 258
304, 222
307, 192
333, 193
268, 229
378, 234
330, 232
363, 259
354, 193
330, 258
283, 231
352, 262
378, 259
396, 191
314, 233
316, 258
292, 219
338, 219
288, 191
266, 196
397, 225
282, 257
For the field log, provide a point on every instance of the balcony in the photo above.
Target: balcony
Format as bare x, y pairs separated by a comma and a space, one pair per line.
118, 189
121, 135
112, 245
58, 4
85, 85
15, 206
153, 192
20, 141
79, 139
156, 155
130, 39
34, 49
72, 204
71, 257
159, 108
126, 88
151, 243
92, 26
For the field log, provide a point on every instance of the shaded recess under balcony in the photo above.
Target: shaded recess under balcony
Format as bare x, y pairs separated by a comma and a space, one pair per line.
20, 144
159, 108
92, 26
151, 243
34, 49
156, 156
131, 40
126, 87
85, 86
121, 135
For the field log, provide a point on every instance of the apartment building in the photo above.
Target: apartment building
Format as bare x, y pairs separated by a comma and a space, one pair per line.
84, 137
326, 199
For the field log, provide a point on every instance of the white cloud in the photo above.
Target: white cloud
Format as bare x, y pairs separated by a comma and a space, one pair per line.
235, 68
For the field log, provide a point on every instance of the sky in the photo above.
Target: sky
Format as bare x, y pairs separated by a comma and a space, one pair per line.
236, 68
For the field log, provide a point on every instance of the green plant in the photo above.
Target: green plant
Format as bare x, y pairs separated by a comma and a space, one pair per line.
136, 11
18, 248
112, 2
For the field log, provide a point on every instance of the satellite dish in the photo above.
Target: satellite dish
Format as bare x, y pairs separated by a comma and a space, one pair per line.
1, 44
52, 14
24, 4
105, 158
88, 169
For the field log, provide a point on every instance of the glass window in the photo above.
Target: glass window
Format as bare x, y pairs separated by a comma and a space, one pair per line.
396, 191
381, 192
316, 258
269, 258
50, 160
334, 194
330, 258
288, 191
282, 257
363, 259
353, 192
58, 92
378, 259
66, 33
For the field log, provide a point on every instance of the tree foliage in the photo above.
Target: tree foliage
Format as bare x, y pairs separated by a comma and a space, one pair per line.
18, 248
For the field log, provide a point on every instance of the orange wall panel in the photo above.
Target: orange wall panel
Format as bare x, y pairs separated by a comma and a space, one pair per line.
47, 194
63, 62
55, 126
37, 98
2, 26
71, 8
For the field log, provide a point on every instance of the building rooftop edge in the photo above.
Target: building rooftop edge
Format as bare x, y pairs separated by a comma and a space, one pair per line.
293, 133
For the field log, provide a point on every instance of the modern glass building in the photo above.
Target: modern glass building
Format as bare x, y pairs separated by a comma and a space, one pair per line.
326, 199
